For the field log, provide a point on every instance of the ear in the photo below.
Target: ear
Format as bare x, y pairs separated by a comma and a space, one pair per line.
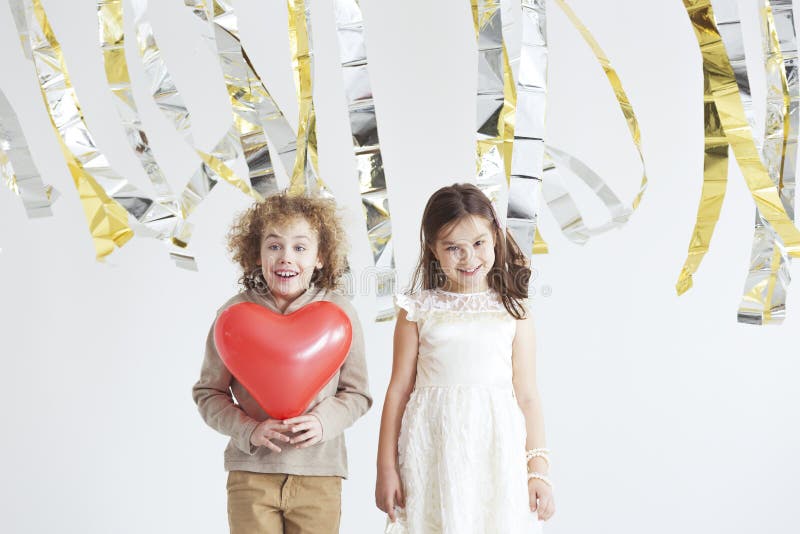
319, 264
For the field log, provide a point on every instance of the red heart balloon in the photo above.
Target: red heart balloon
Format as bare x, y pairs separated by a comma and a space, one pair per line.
283, 361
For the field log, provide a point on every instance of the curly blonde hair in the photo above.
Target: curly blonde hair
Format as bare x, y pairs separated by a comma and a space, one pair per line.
247, 232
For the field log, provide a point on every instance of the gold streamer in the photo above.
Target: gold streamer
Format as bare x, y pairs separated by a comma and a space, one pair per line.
241, 82
722, 85
302, 181
222, 17
107, 218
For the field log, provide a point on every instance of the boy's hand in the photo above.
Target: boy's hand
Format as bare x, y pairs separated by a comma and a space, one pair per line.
389, 492
267, 430
309, 428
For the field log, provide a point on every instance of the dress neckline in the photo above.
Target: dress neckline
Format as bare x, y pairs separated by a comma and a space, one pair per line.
440, 290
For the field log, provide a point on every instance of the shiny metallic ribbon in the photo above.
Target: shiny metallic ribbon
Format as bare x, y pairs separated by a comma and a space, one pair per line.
107, 218
563, 207
112, 43
527, 160
764, 295
561, 204
304, 179
496, 101
214, 166
366, 147
545, 163
17, 167
723, 88
242, 83
219, 22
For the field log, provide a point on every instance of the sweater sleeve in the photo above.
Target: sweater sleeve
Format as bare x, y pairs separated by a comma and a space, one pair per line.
352, 398
214, 400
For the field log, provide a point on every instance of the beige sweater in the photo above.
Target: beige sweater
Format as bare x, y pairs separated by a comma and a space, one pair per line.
343, 400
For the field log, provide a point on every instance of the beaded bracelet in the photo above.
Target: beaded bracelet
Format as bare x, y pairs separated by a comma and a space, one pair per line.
538, 453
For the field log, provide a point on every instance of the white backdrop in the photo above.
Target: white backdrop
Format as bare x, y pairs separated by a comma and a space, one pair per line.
664, 415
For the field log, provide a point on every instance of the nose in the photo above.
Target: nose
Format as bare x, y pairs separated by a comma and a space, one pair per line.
465, 254
287, 256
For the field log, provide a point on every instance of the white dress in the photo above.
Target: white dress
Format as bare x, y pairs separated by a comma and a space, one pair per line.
462, 441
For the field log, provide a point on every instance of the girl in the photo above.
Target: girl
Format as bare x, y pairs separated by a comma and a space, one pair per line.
462, 405
286, 476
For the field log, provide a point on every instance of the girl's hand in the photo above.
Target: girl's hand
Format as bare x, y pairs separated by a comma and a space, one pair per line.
310, 429
389, 492
267, 430
538, 490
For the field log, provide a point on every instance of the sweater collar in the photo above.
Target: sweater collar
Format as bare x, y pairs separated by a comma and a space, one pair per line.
268, 300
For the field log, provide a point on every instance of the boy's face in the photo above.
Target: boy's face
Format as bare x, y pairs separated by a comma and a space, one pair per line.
289, 255
466, 254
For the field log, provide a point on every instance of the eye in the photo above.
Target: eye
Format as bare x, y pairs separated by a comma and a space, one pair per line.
299, 248
274, 247
479, 243
452, 248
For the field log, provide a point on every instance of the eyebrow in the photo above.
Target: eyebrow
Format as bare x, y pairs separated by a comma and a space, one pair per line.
483, 235
281, 237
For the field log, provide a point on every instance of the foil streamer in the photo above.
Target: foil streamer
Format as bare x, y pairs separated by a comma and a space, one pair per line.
220, 22
366, 148
563, 207
106, 213
112, 43
566, 211
17, 167
527, 160
722, 84
533, 161
242, 85
302, 179
764, 295
496, 101
214, 165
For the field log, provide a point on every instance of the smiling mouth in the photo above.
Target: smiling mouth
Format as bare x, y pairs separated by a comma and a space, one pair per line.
286, 275
469, 271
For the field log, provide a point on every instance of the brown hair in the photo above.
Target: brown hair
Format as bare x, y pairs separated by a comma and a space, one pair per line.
509, 275
247, 232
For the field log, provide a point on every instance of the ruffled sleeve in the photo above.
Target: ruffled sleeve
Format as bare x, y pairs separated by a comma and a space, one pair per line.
409, 304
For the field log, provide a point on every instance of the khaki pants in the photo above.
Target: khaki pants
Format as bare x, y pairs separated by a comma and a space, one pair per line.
276, 503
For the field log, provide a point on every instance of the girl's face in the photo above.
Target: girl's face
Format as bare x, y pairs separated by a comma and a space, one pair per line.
289, 255
466, 254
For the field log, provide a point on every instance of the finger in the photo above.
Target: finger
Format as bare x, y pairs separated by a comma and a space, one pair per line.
401, 498
276, 423
299, 419
305, 436
391, 511
271, 434
302, 426
271, 446
545, 509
